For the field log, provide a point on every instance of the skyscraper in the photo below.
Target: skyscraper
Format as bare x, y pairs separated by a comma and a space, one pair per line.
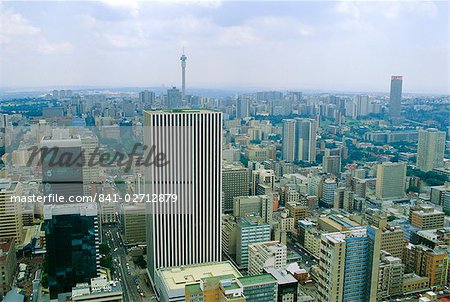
147, 98
348, 266
391, 178
430, 149
242, 107
62, 171
289, 140
174, 98
395, 99
235, 183
183, 59
306, 139
71, 235
187, 231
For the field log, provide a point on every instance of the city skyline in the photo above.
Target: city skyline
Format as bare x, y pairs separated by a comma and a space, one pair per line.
345, 46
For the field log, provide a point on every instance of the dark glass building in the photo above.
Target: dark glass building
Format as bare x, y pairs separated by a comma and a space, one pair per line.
71, 234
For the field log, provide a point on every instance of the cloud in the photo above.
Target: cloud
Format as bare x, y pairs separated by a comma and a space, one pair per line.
18, 35
44, 47
14, 25
132, 6
238, 36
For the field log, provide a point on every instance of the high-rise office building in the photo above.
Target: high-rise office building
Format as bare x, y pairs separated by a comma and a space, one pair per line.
187, 231
306, 139
261, 206
289, 140
348, 266
391, 178
72, 244
331, 163
242, 107
174, 98
133, 224
147, 98
266, 254
89, 144
395, 99
248, 232
62, 164
329, 186
430, 149
234, 184
11, 221
263, 181
362, 105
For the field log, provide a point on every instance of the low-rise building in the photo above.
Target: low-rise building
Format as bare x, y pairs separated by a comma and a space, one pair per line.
170, 282
100, 290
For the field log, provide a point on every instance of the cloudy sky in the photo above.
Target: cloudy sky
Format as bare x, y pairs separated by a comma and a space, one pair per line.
329, 45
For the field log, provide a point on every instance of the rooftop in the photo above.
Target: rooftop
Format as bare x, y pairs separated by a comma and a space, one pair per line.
281, 275
178, 277
259, 279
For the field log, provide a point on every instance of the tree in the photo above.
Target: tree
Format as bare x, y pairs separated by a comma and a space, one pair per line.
104, 249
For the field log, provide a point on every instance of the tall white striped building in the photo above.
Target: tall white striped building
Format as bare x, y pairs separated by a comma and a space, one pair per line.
189, 230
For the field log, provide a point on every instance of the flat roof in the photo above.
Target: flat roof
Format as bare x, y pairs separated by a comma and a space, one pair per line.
282, 276
178, 277
259, 279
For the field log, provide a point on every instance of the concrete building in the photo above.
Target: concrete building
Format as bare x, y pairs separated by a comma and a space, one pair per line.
392, 241
215, 289
174, 98
266, 254
348, 266
297, 210
11, 220
147, 99
133, 224
263, 181
299, 140
99, 290
57, 177
390, 276
426, 217
8, 264
344, 199
287, 284
395, 99
412, 283
430, 149
431, 263
261, 206
234, 184
260, 288
177, 233
329, 186
306, 130
249, 232
391, 179
289, 150
89, 144
171, 282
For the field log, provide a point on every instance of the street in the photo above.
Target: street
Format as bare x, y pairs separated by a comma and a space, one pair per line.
130, 276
